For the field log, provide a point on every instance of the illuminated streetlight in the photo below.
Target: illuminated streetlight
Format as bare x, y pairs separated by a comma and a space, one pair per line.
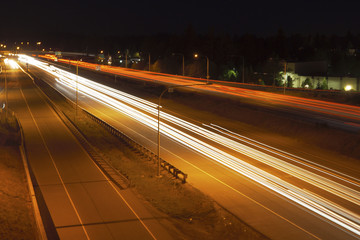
38, 43
207, 66
170, 89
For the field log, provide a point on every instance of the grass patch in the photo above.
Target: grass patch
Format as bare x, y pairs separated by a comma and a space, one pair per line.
16, 213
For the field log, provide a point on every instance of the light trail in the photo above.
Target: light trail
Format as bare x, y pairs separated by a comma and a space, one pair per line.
178, 130
352, 113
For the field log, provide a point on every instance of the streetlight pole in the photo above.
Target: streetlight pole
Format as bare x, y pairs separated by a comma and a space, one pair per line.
207, 69
243, 69
126, 53
285, 77
6, 92
183, 63
77, 76
158, 117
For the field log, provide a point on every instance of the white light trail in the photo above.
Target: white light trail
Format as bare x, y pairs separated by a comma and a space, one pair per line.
146, 112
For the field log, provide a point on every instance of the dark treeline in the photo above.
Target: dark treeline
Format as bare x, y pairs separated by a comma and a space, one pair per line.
260, 57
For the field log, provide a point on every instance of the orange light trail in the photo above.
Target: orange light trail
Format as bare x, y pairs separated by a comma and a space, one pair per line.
204, 140
347, 112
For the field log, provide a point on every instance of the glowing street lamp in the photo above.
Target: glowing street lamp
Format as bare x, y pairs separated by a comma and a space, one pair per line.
207, 66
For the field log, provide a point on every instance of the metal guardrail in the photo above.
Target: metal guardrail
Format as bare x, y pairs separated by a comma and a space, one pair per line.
131, 143
177, 173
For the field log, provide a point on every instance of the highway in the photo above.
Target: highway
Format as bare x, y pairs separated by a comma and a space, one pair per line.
282, 195
342, 116
76, 199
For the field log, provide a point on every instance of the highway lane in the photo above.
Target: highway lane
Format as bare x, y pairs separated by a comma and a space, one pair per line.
83, 203
344, 189
334, 114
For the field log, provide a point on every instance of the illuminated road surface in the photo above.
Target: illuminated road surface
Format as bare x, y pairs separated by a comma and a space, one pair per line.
334, 114
82, 202
327, 201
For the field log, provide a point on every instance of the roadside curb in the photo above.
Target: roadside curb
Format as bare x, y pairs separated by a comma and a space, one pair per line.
41, 233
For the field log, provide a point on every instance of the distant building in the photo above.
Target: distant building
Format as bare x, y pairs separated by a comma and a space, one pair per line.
316, 72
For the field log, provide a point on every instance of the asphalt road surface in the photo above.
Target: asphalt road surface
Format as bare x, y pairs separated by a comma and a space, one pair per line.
281, 195
337, 115
81, 201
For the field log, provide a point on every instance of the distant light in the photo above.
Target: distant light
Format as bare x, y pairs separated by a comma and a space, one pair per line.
101, 51
27, 43
4, 46
120, 61
118, 51
196, 55
306, 86
1, 45
17, 48
22, 43
43, 50
38, 43
348, 87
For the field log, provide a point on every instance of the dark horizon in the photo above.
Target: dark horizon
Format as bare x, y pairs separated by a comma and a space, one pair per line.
261, 18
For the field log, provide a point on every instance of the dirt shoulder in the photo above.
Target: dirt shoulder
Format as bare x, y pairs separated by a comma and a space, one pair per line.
16, 213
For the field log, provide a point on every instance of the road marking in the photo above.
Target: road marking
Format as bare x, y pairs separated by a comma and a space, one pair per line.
108, 180
57, 170
206, 173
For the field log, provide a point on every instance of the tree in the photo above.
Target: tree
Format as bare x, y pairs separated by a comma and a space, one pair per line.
324, 85
307, 83
289, 82
230, 75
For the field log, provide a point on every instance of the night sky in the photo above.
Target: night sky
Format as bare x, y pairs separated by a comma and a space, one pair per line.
262, 18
